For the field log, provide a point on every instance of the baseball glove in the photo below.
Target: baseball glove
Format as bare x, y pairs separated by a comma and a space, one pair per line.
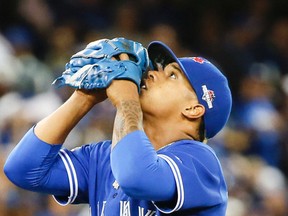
94, 68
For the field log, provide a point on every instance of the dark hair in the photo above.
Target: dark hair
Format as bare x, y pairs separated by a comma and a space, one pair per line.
201, 133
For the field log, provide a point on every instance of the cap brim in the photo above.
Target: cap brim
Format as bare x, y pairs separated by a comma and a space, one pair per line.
160, 53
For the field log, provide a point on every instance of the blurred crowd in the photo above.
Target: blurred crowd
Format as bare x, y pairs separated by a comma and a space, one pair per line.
247, 39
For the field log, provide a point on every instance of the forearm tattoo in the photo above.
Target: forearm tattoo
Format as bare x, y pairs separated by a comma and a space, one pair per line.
128, 119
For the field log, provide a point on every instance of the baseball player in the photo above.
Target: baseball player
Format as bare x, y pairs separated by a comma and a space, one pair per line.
157, 162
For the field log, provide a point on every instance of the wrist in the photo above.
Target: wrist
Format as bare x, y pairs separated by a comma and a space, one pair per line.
121, 91
90, 97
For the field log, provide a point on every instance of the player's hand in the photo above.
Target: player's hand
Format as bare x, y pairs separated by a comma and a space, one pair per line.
93, 97
122, 90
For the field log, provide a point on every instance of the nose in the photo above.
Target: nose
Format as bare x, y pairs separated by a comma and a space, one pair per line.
152, 74
156, 73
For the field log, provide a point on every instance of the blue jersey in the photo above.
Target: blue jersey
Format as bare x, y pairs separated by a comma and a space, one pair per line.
86, 172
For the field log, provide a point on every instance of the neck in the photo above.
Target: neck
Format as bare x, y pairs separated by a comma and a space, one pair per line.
162, 133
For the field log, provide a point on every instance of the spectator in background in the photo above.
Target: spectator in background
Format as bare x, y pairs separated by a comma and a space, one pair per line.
9, 66
237, 54
127, 22
257, 115
283, 111
169, 35
275, 49
9, 98
251, 188
62, 44
34, 76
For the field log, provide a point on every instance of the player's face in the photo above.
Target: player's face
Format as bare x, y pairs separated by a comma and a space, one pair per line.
166, 91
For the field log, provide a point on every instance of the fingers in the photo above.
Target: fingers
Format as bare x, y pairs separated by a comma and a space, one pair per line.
122, 56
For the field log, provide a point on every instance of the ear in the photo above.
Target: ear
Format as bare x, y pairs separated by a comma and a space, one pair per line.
194, 111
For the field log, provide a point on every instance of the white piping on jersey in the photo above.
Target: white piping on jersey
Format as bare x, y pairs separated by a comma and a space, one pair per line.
179, 184
165, 146
73, 181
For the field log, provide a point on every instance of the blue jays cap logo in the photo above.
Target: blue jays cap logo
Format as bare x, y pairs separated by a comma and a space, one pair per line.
208, 96
199, 60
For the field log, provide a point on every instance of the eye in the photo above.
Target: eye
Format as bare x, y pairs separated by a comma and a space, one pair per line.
172, 75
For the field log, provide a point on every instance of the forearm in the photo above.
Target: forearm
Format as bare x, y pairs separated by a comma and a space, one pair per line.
128, 119
55, 128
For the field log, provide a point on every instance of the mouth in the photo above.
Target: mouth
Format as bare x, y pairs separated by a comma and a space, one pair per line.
143, 85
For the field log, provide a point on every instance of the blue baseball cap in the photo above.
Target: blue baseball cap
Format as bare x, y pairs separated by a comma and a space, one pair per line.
209, 83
